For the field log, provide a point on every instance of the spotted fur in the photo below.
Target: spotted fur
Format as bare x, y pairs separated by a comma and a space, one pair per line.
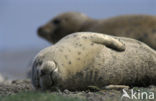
110, 60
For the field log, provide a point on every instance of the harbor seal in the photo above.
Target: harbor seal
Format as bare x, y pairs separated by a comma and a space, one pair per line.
140, 27
85, 58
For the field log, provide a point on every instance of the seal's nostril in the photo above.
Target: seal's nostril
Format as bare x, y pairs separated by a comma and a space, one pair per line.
39, 30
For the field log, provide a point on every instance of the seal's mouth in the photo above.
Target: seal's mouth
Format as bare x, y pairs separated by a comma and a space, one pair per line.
47, 81
44, 34
52, 79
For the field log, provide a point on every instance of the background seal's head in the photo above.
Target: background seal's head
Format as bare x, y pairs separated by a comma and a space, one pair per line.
61, 26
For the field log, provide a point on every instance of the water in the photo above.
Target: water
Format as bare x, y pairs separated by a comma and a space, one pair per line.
19, 20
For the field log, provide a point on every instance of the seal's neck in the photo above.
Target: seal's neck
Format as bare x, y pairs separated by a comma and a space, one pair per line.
87, 24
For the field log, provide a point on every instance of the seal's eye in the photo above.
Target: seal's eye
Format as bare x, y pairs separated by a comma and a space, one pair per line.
56, 21
39, 63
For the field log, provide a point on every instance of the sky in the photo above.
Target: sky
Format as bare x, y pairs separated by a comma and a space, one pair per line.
19, 19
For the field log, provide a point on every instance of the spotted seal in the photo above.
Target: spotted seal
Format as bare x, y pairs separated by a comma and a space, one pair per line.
86, 58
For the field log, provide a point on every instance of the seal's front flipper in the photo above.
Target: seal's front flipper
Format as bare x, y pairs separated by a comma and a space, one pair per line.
108, 41
116, 87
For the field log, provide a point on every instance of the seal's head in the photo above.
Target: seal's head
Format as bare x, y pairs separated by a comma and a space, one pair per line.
62, 25
47, 75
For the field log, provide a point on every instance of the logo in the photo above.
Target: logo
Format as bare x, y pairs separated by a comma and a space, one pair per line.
138, 94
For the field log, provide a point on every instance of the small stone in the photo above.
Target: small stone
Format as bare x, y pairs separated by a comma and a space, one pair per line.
66, 91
